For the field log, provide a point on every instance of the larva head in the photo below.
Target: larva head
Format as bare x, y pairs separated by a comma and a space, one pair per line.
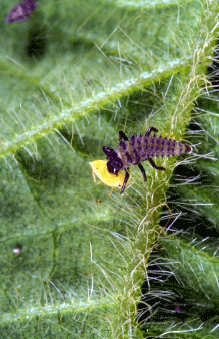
115, 164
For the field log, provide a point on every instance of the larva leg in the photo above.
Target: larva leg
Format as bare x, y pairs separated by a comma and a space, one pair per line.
125, 181
122, 136
142, 171
155, 166
151, 129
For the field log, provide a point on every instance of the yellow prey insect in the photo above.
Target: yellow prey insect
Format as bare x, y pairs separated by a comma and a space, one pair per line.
100, 169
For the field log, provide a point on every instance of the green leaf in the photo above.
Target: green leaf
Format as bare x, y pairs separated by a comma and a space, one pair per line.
73, 259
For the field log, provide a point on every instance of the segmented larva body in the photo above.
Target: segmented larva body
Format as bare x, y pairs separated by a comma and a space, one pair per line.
141, 148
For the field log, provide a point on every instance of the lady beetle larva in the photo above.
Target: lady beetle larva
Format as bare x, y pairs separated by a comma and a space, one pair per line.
21, 12
141, 148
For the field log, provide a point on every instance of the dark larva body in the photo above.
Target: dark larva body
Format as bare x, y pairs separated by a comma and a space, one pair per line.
141, 148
